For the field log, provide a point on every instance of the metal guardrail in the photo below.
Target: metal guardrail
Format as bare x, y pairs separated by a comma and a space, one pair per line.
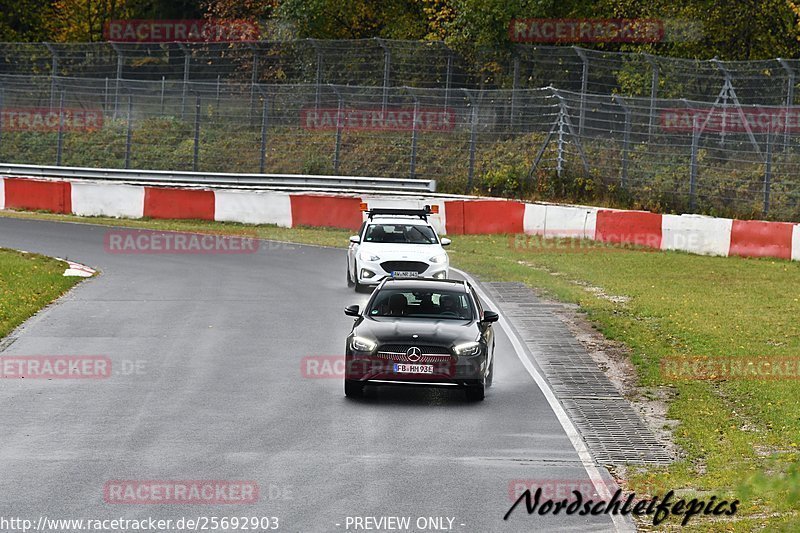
219, 179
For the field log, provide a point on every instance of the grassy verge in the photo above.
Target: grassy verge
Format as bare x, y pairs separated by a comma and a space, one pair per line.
739, 437
28, 282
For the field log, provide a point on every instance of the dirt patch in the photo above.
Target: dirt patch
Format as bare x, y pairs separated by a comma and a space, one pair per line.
613, 358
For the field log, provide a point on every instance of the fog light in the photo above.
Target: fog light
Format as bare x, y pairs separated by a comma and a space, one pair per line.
366, 273
440, 275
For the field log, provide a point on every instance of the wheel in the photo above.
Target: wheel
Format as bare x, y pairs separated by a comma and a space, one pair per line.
353, 389
349, 277
490, 376
475, 393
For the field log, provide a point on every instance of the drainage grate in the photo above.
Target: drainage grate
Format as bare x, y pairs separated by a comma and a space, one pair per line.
611, 428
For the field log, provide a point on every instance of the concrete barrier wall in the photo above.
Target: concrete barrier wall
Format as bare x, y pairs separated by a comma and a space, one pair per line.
109, 200
457, 216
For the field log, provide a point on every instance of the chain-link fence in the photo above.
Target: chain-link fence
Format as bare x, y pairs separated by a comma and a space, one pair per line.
724, 158
391, 63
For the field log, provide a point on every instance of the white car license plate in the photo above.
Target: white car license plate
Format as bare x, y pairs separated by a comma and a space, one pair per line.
405, 274
402, 368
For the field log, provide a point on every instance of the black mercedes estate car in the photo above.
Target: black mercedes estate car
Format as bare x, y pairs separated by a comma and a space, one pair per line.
421, 332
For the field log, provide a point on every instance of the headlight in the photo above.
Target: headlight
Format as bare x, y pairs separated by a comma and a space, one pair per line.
360, 344
467, 348
441, 258
364, 256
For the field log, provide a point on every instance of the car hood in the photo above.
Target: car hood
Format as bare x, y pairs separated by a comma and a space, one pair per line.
434, 332
393, 251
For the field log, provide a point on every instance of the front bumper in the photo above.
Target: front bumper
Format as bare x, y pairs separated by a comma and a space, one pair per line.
372, 272
372, 367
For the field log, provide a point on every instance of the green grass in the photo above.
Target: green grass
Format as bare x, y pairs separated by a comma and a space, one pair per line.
740, 437
28, 282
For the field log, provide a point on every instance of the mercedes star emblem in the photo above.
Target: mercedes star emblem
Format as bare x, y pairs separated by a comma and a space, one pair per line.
413, 354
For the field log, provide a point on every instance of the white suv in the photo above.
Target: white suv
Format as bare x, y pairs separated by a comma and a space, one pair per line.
398, 243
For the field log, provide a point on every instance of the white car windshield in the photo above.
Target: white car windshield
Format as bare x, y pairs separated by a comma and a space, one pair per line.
400, 233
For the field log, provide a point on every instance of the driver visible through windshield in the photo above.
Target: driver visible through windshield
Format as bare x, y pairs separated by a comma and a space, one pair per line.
400, 233
421, 304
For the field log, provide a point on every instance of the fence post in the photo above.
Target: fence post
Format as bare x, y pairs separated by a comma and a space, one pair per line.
253, 82
387, 63
60, 141
562, 121
789, 101
318, 77
105, 97
118, 80
163, 89
186, 59
196, 155
414, 135
514, 91
693, 165
768, 170
473, 138
339, 126
264, 124
216, 106
129, 132
626, 139
53, 73
653, 95
584, 87
448, 76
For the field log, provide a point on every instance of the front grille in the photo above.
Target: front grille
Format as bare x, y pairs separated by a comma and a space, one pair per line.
397, 353
404, 266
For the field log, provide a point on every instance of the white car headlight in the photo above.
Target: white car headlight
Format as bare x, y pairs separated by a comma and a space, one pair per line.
361, 344
366, 256
441, 258
467, 348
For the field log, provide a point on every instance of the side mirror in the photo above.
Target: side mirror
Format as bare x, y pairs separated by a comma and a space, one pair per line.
355, 239
352, 310
446, 241
490, 316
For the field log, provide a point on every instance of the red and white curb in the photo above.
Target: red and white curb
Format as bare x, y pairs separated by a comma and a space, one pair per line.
457, 216
77, 269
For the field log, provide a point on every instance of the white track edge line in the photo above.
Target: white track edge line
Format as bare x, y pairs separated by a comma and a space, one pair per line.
569, 428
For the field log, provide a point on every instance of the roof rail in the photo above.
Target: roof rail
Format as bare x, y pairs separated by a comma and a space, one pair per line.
391, 211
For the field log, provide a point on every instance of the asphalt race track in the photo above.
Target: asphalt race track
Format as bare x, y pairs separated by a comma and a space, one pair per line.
207, 352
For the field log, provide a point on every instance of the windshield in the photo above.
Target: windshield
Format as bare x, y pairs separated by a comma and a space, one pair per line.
400, 233
421, 304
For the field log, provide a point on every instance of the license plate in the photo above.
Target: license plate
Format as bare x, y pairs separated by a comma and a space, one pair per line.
402, 368
405, 274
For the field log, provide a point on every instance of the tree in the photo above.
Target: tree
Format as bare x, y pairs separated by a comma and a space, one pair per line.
23, 20
83, 20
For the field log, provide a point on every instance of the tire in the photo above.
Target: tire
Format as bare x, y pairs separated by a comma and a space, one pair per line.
349, 276
475, 393
353, 389
490, 377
